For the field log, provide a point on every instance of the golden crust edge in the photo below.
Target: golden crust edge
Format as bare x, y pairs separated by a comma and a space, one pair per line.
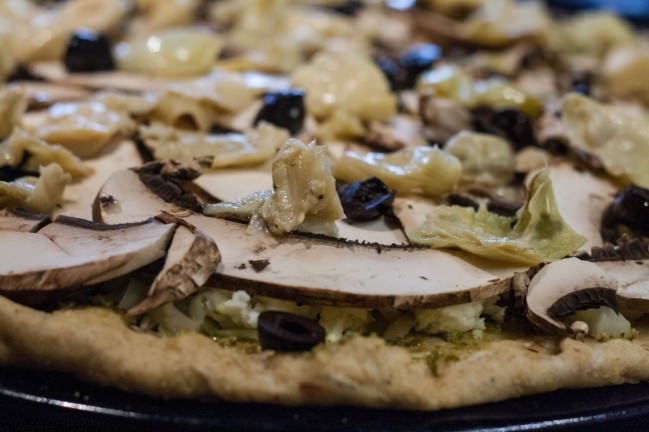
96, 345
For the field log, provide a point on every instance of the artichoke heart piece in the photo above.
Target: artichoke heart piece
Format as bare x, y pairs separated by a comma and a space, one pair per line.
85, 128
171, 53
13, 104
539, 233
452, 82
485, 158
304, 192
502, 22
426, 171
30, 152
618, 138
225, 150
344, 81
39, 194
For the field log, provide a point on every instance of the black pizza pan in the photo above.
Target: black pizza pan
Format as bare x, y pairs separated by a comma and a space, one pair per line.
34, 401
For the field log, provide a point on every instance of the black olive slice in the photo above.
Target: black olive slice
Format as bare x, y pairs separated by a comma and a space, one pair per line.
348, 7
366, 200
511, 124
628, 212
88, 51
287, 332
583, 83
392, 71
462, 201
284, 109
417, 59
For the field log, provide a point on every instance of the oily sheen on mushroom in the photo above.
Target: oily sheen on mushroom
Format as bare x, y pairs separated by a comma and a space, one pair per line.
320, 269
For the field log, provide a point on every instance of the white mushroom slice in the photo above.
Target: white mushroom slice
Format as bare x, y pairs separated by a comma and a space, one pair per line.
565, 286
581, 198
191, 259
78, 196
633, 280
232, 184
20, 220
307, 268
71, 252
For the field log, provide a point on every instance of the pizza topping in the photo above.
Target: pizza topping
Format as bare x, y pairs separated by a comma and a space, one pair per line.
170, 53
617, 137
565, 287
217, 151
40, 194
442, 118
286, 332
538, 234
486, 159
191, 259
88, 51
13, 104
427, 171
23, 152
85, 128
501, 22
416, 60
284, 109
513, 125
602, 323
628, 215
71, 252
200, 103
450, 319
332, 83
366, 200
450, 81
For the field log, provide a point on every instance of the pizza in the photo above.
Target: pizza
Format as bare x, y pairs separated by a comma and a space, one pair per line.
324, 202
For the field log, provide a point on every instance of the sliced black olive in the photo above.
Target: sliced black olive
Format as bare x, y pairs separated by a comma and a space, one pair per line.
366, 200
462, 201
582, 83
511, 124
417, 59
628, 214
88, 51
284, 109
9, 173
348, 7
502, 207
287, 332
392, 71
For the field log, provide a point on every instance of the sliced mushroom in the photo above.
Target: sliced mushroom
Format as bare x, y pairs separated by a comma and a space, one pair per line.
22, 220
71, 252
565, 286
307, 268
191, 259
78, 196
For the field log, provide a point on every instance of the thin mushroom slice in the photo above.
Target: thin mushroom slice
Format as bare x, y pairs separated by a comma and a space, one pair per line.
71, 252
564, 287
191, 259
22, 220
308, 268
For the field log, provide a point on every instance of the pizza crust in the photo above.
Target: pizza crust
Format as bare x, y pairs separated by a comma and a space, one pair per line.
96, 345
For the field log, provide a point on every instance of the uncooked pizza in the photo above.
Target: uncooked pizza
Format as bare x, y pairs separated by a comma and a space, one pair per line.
323, 201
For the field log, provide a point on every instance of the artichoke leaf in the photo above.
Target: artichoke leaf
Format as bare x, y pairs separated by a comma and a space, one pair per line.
620, 139
538, 234
427, 171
